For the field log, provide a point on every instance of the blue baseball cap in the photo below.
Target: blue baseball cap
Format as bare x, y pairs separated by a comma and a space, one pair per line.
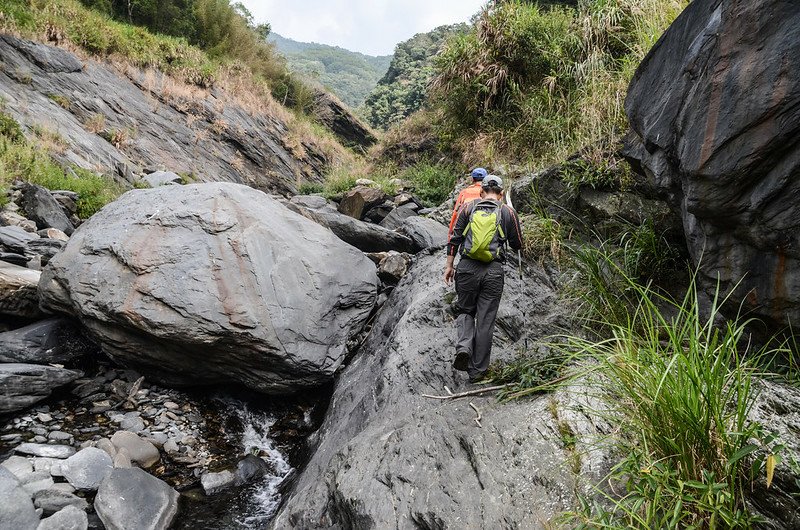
478, 173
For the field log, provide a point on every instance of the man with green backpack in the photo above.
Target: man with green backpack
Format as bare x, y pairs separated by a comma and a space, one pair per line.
482, 230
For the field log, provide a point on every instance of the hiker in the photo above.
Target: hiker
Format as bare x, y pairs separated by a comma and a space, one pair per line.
482, 230
466, 195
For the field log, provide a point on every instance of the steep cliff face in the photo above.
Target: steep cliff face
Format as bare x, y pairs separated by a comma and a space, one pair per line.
121, 120
716, 106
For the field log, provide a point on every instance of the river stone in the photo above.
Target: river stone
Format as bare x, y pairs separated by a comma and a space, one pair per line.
22, 385
50, 465
140, 451
251, 468
18, 465
716, 108
53, 500
132, 499
46, 450
215, 482
16, 509
19, 293
35, 486
41, 208
87, 468
69, 518
424, 232
386, 457
214, 283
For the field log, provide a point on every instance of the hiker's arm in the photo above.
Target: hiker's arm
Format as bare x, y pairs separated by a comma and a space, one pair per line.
456, 239
513, 229
453, 217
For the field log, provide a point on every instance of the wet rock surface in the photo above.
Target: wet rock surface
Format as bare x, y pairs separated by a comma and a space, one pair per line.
189, 296
388, 456
716, 107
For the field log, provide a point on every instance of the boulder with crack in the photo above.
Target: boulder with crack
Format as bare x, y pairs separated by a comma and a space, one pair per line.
214, 283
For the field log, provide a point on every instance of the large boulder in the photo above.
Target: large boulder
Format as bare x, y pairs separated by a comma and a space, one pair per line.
716, 106
22, 385
387, 457
131, 499
424, 232
214, 283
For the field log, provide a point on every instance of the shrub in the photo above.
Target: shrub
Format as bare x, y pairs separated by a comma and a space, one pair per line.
680, 388
538, 84
432, 182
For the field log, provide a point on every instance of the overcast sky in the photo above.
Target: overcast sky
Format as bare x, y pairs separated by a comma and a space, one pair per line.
373, 27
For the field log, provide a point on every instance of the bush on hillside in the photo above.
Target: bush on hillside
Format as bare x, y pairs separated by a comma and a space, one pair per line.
535, 84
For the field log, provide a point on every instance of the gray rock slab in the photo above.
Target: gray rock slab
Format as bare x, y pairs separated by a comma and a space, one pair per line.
162, 178
50, 341
38, 485
16, 509
87, 468
364, 236
138, 449
46, 450
68, 518
41, 208
195, 298
133, 499
19, 291
49, 465
53, 500
398, 216
387, 457
18, 465
216, 482
22, 385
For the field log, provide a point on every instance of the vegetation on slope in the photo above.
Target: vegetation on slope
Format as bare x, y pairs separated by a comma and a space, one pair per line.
404, 88
27, 160
531, 84
349, 75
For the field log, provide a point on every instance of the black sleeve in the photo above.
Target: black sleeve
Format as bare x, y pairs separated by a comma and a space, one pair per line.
457, 238
512, 228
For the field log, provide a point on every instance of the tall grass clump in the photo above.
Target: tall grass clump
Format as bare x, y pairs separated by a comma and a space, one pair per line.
681, 389
538, 83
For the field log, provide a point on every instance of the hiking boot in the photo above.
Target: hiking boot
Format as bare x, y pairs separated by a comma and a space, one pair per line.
477, 378
461, 362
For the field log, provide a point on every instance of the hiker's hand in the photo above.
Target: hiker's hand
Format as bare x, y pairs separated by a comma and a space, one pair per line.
449, 272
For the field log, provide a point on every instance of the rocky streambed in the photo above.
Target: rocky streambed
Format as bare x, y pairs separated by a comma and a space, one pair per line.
218, 459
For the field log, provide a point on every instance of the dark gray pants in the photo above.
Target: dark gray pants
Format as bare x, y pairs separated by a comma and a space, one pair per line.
479, 287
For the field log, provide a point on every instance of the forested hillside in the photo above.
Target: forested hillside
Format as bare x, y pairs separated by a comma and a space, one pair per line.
349, 75
404, 88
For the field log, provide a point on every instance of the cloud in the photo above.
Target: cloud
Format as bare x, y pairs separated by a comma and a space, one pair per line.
373, 27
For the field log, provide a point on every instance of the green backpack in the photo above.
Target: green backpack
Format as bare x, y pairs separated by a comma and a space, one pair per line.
483, 236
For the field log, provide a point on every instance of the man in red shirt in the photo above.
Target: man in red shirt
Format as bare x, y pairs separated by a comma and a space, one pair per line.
468, 194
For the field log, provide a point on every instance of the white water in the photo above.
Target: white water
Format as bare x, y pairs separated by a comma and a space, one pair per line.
265, 498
